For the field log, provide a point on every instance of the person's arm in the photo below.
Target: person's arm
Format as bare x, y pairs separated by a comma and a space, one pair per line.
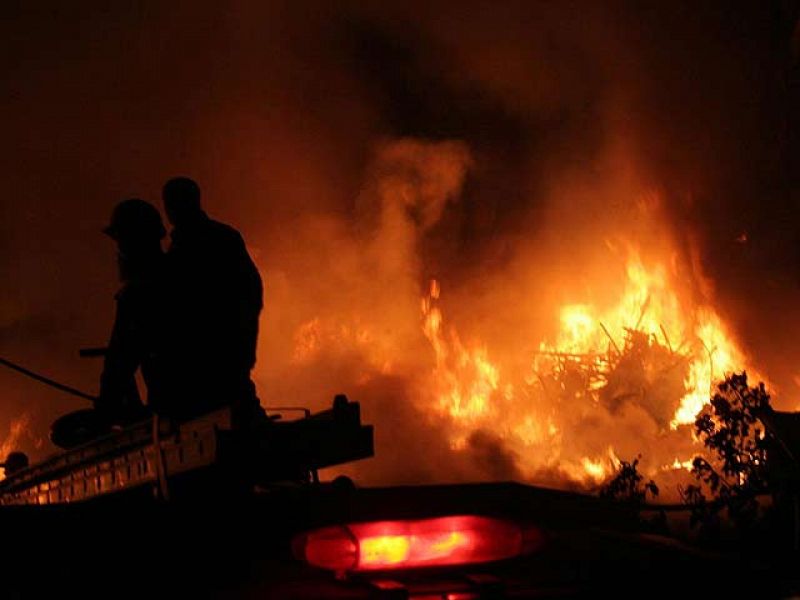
251, 301
122, 358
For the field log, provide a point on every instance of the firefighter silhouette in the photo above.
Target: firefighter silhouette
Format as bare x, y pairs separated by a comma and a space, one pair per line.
137, 336
217, 292
188, 319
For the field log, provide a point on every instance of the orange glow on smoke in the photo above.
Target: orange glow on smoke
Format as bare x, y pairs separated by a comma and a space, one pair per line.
580, 351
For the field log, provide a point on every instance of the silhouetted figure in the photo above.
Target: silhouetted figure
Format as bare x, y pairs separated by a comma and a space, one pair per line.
218, 295
138, 333
137, 338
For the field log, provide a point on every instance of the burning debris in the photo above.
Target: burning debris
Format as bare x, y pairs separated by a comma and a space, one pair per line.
590, 395
642, 371
546, 372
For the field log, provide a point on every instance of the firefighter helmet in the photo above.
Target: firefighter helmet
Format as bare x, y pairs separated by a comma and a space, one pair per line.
135, 217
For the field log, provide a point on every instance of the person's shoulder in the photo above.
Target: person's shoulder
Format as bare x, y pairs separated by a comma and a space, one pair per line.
225, 232
222, 228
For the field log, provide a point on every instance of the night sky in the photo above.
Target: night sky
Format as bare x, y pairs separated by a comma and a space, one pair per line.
276, 108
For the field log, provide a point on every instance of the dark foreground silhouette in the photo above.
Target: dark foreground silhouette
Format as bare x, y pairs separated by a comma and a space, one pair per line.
188, 318
217, 298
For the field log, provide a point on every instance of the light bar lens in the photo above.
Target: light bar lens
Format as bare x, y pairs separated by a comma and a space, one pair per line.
386, 545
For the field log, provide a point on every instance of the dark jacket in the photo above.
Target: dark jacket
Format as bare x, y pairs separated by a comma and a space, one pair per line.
218, 294
137, 340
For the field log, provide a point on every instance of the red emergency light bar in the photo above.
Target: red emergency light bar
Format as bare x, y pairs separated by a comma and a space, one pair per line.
387, 545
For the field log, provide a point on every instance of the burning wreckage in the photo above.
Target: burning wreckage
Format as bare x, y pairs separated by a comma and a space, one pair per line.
645, 370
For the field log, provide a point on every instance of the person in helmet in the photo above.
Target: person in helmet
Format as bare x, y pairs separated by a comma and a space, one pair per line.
219, 290
138, 331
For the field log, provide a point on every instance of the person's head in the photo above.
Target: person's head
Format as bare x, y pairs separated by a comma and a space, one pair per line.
181, 200
136, 226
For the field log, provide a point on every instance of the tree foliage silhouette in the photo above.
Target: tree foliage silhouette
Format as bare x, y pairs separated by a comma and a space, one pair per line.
734, 474
627, 485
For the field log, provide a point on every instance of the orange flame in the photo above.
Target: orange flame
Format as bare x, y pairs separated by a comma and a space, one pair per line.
17, 429
618, 365
464, 378
471, 390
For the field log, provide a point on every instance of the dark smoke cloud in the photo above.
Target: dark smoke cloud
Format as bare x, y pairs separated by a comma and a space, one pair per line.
281, 110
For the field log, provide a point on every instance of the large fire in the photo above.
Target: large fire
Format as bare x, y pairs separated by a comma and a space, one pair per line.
614, 354
641, 345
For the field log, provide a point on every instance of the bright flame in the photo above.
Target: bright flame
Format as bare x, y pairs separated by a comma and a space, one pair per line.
651, 306
464, 378
594, 469
591, 342
16, 430
720, 356
678, 464
627, 356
